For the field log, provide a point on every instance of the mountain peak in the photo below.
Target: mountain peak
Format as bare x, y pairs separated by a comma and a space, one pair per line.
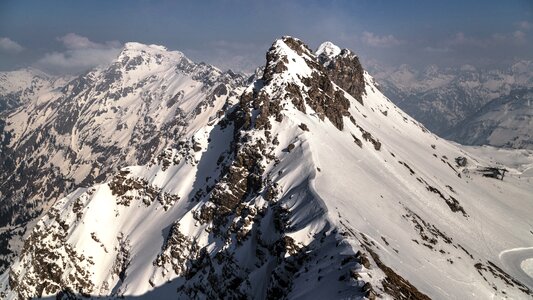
296, 45
287, 187
289, 46
139, 51
290, 59
328, 49
144, 58
294, 74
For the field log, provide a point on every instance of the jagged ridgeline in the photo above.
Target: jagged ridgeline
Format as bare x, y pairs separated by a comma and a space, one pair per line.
306, 183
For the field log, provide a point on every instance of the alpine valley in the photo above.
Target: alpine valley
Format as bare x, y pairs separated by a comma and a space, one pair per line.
156, 177
469, 105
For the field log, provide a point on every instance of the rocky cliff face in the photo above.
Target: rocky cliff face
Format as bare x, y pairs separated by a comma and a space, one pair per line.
343, 68
293, 188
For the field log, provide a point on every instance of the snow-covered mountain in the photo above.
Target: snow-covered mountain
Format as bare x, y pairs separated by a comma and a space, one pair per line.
63, 136
442, 98
307, 184
21, 86
503, 122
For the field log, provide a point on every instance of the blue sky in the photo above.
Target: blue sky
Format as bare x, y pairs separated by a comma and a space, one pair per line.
68, 36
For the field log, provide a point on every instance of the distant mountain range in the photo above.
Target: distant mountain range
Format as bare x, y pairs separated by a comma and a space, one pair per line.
446, 100
506, 121
21, 86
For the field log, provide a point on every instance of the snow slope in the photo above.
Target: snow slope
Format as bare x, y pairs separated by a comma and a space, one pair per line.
81, 131
298, 189
21, 86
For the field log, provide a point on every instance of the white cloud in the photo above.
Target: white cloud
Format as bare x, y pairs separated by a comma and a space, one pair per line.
80, 54
460, 39
234, 55
74, 41
373, 40
437, 49
9, 46
519, 36
525, 25
74, 61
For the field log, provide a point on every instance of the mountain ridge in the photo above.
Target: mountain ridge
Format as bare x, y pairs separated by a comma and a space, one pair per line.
441, 98
503, 122
293, 187
108, 117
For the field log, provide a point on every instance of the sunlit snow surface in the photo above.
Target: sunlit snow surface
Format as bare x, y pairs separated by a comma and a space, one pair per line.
527, 266
329, 182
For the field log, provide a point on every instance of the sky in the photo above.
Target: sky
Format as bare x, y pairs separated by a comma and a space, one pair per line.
68, 37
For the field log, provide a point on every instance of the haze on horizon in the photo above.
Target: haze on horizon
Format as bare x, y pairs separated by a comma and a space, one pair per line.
66, 37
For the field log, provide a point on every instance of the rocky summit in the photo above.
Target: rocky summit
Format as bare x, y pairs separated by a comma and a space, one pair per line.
303, 182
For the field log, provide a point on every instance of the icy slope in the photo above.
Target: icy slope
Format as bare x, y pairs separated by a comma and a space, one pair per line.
299, 189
